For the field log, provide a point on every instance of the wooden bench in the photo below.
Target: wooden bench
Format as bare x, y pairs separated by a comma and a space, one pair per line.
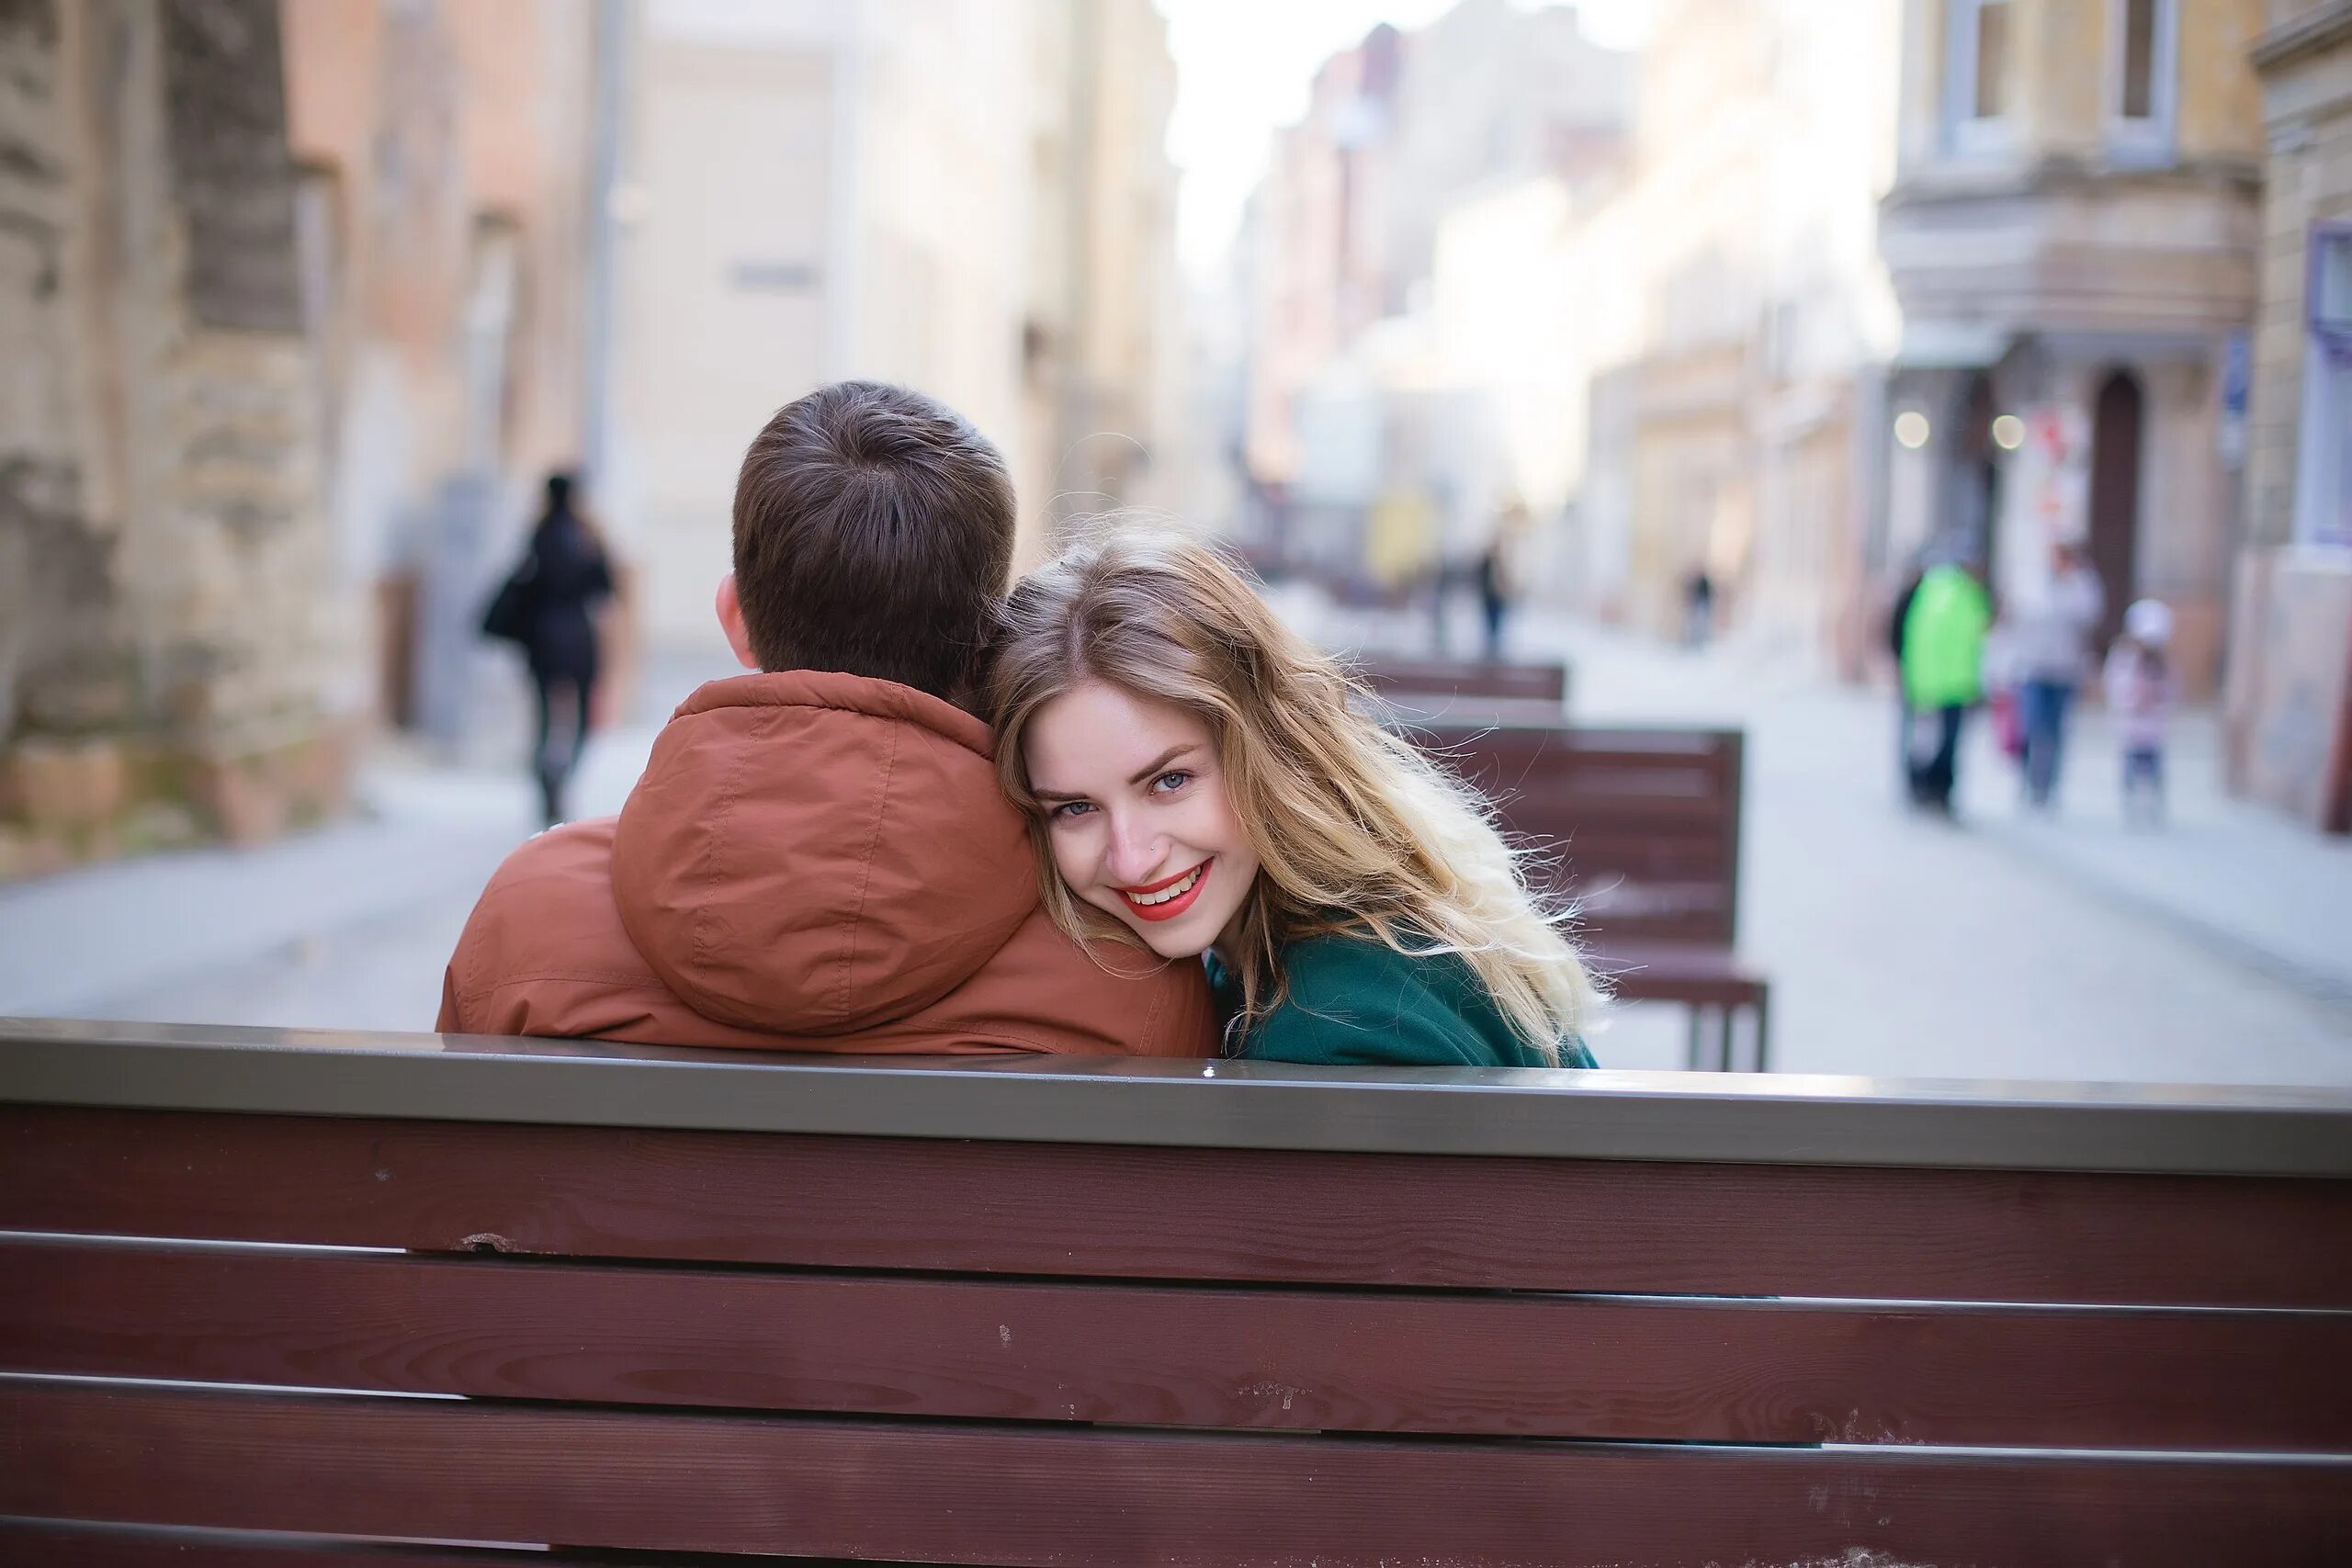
350, 1289
1427, 691
1641, 828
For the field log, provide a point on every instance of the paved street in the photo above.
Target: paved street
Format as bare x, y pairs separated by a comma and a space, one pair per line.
348, 927
2215, 950
2007, 946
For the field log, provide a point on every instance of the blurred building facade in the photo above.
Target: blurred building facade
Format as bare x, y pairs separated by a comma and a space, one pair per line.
1530, 303
444, 209
2289, 711
1736, 422
298, 327
2074, 235
166, 618
1367, 453
300, 299
1640, 295
1107, 422
968, 196
1314, 248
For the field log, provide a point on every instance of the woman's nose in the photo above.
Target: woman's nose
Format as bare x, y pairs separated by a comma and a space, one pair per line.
1136, 853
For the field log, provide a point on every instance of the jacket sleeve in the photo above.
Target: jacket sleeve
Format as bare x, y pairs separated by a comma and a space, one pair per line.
1340, 1036
1342, 1010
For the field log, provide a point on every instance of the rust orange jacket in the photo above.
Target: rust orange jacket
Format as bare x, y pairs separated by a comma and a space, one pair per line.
812, 862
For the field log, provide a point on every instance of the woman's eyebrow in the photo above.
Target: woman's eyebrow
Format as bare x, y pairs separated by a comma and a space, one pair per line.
1156, 766
1160, 762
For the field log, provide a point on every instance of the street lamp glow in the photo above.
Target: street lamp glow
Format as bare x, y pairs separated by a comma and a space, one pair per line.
2008, 431
1911, 428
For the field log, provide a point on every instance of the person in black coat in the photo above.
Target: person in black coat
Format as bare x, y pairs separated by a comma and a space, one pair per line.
563, 576
1898, 616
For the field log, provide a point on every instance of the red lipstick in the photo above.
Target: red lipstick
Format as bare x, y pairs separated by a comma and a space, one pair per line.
1174, 907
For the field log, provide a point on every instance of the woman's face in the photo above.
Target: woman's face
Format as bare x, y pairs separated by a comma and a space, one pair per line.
1138, 818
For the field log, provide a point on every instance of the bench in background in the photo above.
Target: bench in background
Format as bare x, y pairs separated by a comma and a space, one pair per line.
1044, 1312
1641, 828
1461, 690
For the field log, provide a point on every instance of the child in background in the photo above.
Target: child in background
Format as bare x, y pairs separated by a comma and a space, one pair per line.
2001, 681
2140, 695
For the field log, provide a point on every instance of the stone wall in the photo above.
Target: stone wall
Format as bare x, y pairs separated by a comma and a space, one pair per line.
2288, 714
2290, 687
2310, 180
55, 566
160, 677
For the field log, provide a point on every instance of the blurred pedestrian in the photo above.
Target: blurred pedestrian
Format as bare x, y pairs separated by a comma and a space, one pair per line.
1698, 608
1437, 584
2051, 639
1897, 615
2140, 694
1493, 575
1943, 652
2001, 683
548, 604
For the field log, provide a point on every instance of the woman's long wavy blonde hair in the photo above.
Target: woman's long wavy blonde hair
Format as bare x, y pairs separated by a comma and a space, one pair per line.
1355, 830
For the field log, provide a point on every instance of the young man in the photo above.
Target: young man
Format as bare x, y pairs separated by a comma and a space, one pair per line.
818, 857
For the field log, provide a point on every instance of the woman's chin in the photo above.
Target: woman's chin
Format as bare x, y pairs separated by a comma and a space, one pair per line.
1169, 945
1180, 938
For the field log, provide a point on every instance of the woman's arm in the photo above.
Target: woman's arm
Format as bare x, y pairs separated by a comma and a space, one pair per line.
1360, 1004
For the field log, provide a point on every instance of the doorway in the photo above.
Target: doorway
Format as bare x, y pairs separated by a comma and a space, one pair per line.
2115, 422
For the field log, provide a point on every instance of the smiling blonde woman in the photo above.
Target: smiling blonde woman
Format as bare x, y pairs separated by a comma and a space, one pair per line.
1199, 783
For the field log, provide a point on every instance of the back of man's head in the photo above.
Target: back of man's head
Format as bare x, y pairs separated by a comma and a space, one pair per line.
873, 534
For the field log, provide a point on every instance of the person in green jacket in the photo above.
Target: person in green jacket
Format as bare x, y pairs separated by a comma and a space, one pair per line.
1944, 661
1200, 783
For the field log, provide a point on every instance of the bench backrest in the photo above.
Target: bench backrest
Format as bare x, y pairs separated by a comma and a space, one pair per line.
1640, 826
1468, 678
1163, 1312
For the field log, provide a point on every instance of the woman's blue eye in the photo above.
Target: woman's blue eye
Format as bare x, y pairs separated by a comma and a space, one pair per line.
1068, 809
1164, 787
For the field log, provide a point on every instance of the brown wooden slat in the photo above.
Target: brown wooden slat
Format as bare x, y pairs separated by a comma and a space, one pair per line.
944, 1492
1182, 1214
1513, 759
1626, 872
58, 1543
1661, 746
1462, 677
64, 1543
1621, 906
1570, 751
1408, 711
1566, 812
1562, 805
1698, 990
53, 1544
1608, 844
1460, 1363
1509, 759
1534, 810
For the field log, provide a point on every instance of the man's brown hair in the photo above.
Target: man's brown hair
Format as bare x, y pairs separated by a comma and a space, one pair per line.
873, 534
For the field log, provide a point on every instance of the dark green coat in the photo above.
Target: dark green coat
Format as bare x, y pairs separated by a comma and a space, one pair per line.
1356, 1001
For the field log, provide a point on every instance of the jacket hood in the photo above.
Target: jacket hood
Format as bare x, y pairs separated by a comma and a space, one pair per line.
811, 852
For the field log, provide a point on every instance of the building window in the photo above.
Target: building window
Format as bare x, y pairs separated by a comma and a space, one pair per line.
2324, 487
2143, 75
1979, 80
